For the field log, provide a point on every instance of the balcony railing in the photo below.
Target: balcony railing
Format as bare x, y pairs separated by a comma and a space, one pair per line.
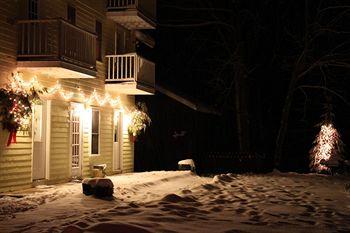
130, 68
146, 7
56, 39
121, 3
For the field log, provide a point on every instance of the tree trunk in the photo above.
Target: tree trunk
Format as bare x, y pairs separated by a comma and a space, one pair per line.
282, 132
242, 117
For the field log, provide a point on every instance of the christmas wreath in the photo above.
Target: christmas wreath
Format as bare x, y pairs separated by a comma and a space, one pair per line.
15, 107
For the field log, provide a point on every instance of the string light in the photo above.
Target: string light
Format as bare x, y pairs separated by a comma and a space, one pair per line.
326, 144
66, 95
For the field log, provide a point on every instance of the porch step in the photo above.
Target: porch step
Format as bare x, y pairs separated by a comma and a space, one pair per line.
76, 179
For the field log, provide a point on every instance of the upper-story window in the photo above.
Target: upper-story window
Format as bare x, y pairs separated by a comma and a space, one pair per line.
124, 42
98, 30
71, 14
33, 9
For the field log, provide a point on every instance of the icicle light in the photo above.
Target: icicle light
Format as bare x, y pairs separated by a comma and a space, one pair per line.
66, 95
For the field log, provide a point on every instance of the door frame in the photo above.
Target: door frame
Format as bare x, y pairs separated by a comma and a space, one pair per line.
80, 169
120, 136
46, 120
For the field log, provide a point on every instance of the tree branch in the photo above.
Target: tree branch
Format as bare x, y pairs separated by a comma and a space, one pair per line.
328, 90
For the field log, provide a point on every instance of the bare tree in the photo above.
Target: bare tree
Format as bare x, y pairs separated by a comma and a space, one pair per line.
326, 22
230, 71
321, 43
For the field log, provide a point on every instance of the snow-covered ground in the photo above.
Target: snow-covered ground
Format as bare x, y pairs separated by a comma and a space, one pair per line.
183, 202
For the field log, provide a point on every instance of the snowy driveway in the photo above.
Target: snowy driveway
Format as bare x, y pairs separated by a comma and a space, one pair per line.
183, 202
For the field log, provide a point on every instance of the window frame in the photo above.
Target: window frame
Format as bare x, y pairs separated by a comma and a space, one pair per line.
98, 133
71, 9
32, 14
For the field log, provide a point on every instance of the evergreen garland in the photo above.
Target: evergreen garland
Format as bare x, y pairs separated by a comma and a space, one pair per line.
16, 107
139, 121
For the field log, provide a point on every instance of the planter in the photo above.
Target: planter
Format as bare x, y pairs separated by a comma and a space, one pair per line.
132, 138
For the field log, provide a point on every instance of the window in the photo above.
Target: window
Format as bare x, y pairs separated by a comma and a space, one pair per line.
124, 41
33, 9
95, 132
116, 126
98, 40
71, 14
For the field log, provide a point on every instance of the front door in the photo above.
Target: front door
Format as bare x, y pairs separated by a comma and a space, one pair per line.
39, 135
76, 138
117, 140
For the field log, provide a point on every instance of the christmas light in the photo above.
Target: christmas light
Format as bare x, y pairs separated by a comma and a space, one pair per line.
94, 98
326, 146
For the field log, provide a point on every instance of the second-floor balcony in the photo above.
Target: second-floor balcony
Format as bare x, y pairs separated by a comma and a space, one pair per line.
56, 47
133, 14
130, 74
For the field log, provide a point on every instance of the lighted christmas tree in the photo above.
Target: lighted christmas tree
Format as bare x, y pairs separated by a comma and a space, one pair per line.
328, 147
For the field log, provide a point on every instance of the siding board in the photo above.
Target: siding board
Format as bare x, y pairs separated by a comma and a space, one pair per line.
16, 160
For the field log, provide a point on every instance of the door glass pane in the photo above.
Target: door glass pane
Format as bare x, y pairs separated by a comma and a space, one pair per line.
75, 126
94, 144
95, 121
116, 127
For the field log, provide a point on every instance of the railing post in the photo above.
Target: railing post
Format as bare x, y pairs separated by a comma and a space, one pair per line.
130, 64
61, 39
113, 73
22, 37
122, 67
135, 67
117, 65
28, 38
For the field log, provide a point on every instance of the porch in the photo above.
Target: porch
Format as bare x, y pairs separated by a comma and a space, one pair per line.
133, 14
130, 74
56, 47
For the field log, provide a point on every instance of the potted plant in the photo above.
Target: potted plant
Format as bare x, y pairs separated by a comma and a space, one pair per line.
139, 121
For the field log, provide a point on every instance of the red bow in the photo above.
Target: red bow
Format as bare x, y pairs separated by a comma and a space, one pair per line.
12, 138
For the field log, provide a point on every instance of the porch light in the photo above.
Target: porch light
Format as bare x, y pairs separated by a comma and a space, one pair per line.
78, 110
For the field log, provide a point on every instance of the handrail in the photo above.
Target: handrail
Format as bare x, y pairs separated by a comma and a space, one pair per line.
122, 55
58, 39
146, 7
123, 67
130, 68
53, 20
121, 4
36, 20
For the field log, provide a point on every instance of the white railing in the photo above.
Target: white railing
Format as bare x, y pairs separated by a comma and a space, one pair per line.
130, 68
147, 7
123, 67
121, 4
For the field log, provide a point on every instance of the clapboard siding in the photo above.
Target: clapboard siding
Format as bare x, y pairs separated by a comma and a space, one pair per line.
16, 160
106, 141
59, 148
8, 39
128, 146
